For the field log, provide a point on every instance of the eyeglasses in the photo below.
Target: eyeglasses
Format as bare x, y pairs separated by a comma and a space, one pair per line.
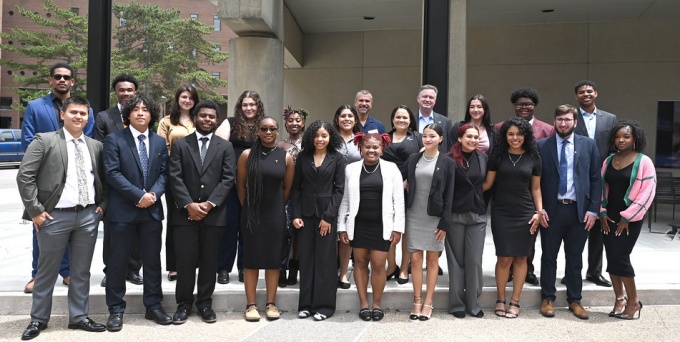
268, 129
525, 105
561, 120
60, 76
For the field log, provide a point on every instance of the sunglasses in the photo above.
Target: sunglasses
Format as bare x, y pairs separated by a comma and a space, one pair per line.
60, 76
268, 129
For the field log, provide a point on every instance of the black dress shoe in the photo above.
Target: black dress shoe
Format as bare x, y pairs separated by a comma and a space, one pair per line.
33, 330
240, 276
88, 325
181, 315
223, 277
344, 285
440, 271
458, 314
159, 316
207, 315
103, 283
172, 277
563, 281
134, 278
531, 279
598, 280
115, 322
510, 277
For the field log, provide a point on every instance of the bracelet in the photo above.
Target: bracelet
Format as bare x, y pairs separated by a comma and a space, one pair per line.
542, 212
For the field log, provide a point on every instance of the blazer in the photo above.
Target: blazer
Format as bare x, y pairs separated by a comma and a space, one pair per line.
124, 175
586, 175
193, 182
318, 192
440, 200
42, 174
604, 121
392, 199
541, 129
475, 196
640, 193
40, 117
107, 122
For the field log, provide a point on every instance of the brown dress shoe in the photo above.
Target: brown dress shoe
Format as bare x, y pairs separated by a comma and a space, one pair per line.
29, 286
548, 308
578, 310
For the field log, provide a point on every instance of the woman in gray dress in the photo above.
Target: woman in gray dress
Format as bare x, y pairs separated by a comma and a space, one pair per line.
430, 195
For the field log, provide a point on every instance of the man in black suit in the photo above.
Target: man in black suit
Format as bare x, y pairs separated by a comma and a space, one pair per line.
594, 123
136, 163
427, 97
109, 121
202, 170
571, 189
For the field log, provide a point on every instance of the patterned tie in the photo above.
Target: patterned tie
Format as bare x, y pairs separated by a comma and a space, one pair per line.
563, 168
204, 148
80, 171
143, 157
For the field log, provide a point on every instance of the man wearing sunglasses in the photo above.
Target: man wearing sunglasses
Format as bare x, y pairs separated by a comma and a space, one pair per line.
41, 116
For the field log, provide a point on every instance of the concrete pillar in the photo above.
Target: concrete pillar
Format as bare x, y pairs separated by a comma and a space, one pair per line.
457, 96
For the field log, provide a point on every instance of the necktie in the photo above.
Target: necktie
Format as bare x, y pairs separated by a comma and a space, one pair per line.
563, 168
204, 148
80, 171
143, 157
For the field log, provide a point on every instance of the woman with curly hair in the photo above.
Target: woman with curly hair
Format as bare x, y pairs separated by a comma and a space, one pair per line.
317, 191
515, 168
628, 189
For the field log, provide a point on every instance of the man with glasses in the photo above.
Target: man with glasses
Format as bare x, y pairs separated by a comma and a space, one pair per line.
43, 115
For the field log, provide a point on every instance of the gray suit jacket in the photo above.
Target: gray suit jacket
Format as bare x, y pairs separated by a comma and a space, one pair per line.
107, 122
42, 174
604, 121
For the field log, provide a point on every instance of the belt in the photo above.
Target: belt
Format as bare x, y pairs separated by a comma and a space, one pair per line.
75, 209
566, 201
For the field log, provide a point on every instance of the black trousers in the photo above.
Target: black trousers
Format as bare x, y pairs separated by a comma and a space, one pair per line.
170, 261
318, 272
231, 243
196, 244
135, 262
595, 249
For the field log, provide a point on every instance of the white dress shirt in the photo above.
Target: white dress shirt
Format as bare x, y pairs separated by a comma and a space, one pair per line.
69, 197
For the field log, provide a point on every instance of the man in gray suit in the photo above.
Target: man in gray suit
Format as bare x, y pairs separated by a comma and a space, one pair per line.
594, 123
427, 97
61, 183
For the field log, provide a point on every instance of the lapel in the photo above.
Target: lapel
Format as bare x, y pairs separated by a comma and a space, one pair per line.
62, 149
328, 160
93, 157
552, 151
210, 154
127, 134
194, 150
577, 147
116, 118
49, 108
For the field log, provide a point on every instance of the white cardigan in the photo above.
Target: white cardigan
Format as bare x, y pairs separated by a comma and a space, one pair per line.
392, 199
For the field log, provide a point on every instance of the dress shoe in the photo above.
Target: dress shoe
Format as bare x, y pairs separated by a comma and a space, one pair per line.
208, 315
510, 277
88, 325
394, 274
115, 322
402, 281
598, 280
181, 315
240, 276
547, 308
283, 280
223, 277
578, 310
66, 281
563, 281
172, 276
134, 278
344, 285
103, 283
531, 279
458, 314
440, 271
33, 330
479, 314
29, 287
158, 315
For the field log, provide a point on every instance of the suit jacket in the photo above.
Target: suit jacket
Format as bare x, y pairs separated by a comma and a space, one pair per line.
318, 192
604, 121
124, 175
586, 175
541, 129
107, 122
194, 182
440, 200
40, 117
42, 174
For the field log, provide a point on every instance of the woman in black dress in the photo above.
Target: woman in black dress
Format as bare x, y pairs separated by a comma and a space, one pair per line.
263, 183
629, 186
317, 191
515, 167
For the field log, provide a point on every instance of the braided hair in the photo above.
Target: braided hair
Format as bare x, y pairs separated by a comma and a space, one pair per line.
254, 178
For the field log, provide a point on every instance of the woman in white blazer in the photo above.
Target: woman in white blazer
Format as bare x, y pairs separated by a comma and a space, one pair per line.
371, 217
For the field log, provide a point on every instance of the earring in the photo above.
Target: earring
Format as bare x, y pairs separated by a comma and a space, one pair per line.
633, 145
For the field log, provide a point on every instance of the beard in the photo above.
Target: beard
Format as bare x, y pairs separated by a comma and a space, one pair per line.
565, 134
204, 132
62, 91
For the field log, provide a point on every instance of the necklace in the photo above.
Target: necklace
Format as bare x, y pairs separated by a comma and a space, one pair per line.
268, 152
429, 159
514, 162
374, 170
467, 160
622, 159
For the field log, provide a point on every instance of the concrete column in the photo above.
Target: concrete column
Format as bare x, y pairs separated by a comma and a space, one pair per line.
457, 96
256, 63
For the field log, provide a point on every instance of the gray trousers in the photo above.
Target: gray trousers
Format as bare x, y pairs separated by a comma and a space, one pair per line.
464, 249
78, 231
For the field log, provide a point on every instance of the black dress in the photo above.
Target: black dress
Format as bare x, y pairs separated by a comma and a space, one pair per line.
513, 204
263, 236
368, 226
619, 248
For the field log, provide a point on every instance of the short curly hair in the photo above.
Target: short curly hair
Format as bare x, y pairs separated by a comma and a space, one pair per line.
334, 142
639, 135
524, 92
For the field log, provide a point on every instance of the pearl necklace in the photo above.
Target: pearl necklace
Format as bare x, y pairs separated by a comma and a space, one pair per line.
369, 172
430, 159
513, 161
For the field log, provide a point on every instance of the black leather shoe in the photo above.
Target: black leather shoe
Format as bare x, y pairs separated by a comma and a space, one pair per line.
510, 277
103, 283
172, 277
598, 280
223, 277
207, 315
458, 314
531, 279
563, 281
181, 315
134, 278
115, 322
240, 276
88, 325
33, 330
159, 316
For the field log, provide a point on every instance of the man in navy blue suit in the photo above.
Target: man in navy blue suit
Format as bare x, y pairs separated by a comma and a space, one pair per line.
571, 191
136, 164
43, 115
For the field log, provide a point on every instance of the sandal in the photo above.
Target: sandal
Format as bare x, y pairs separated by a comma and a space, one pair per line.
424, 317
510, 314
365, 314
377, 314
500, 312
415, 315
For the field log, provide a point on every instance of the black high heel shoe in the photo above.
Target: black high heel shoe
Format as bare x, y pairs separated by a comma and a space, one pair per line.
639, 311
394, 274
616, 314
672, 232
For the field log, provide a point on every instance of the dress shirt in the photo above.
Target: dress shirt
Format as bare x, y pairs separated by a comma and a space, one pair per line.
69, 197
135, 134
424, 121
589, 119
207, 143
571, 190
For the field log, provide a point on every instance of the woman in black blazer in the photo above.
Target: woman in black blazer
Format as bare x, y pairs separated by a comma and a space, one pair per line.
318, 187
